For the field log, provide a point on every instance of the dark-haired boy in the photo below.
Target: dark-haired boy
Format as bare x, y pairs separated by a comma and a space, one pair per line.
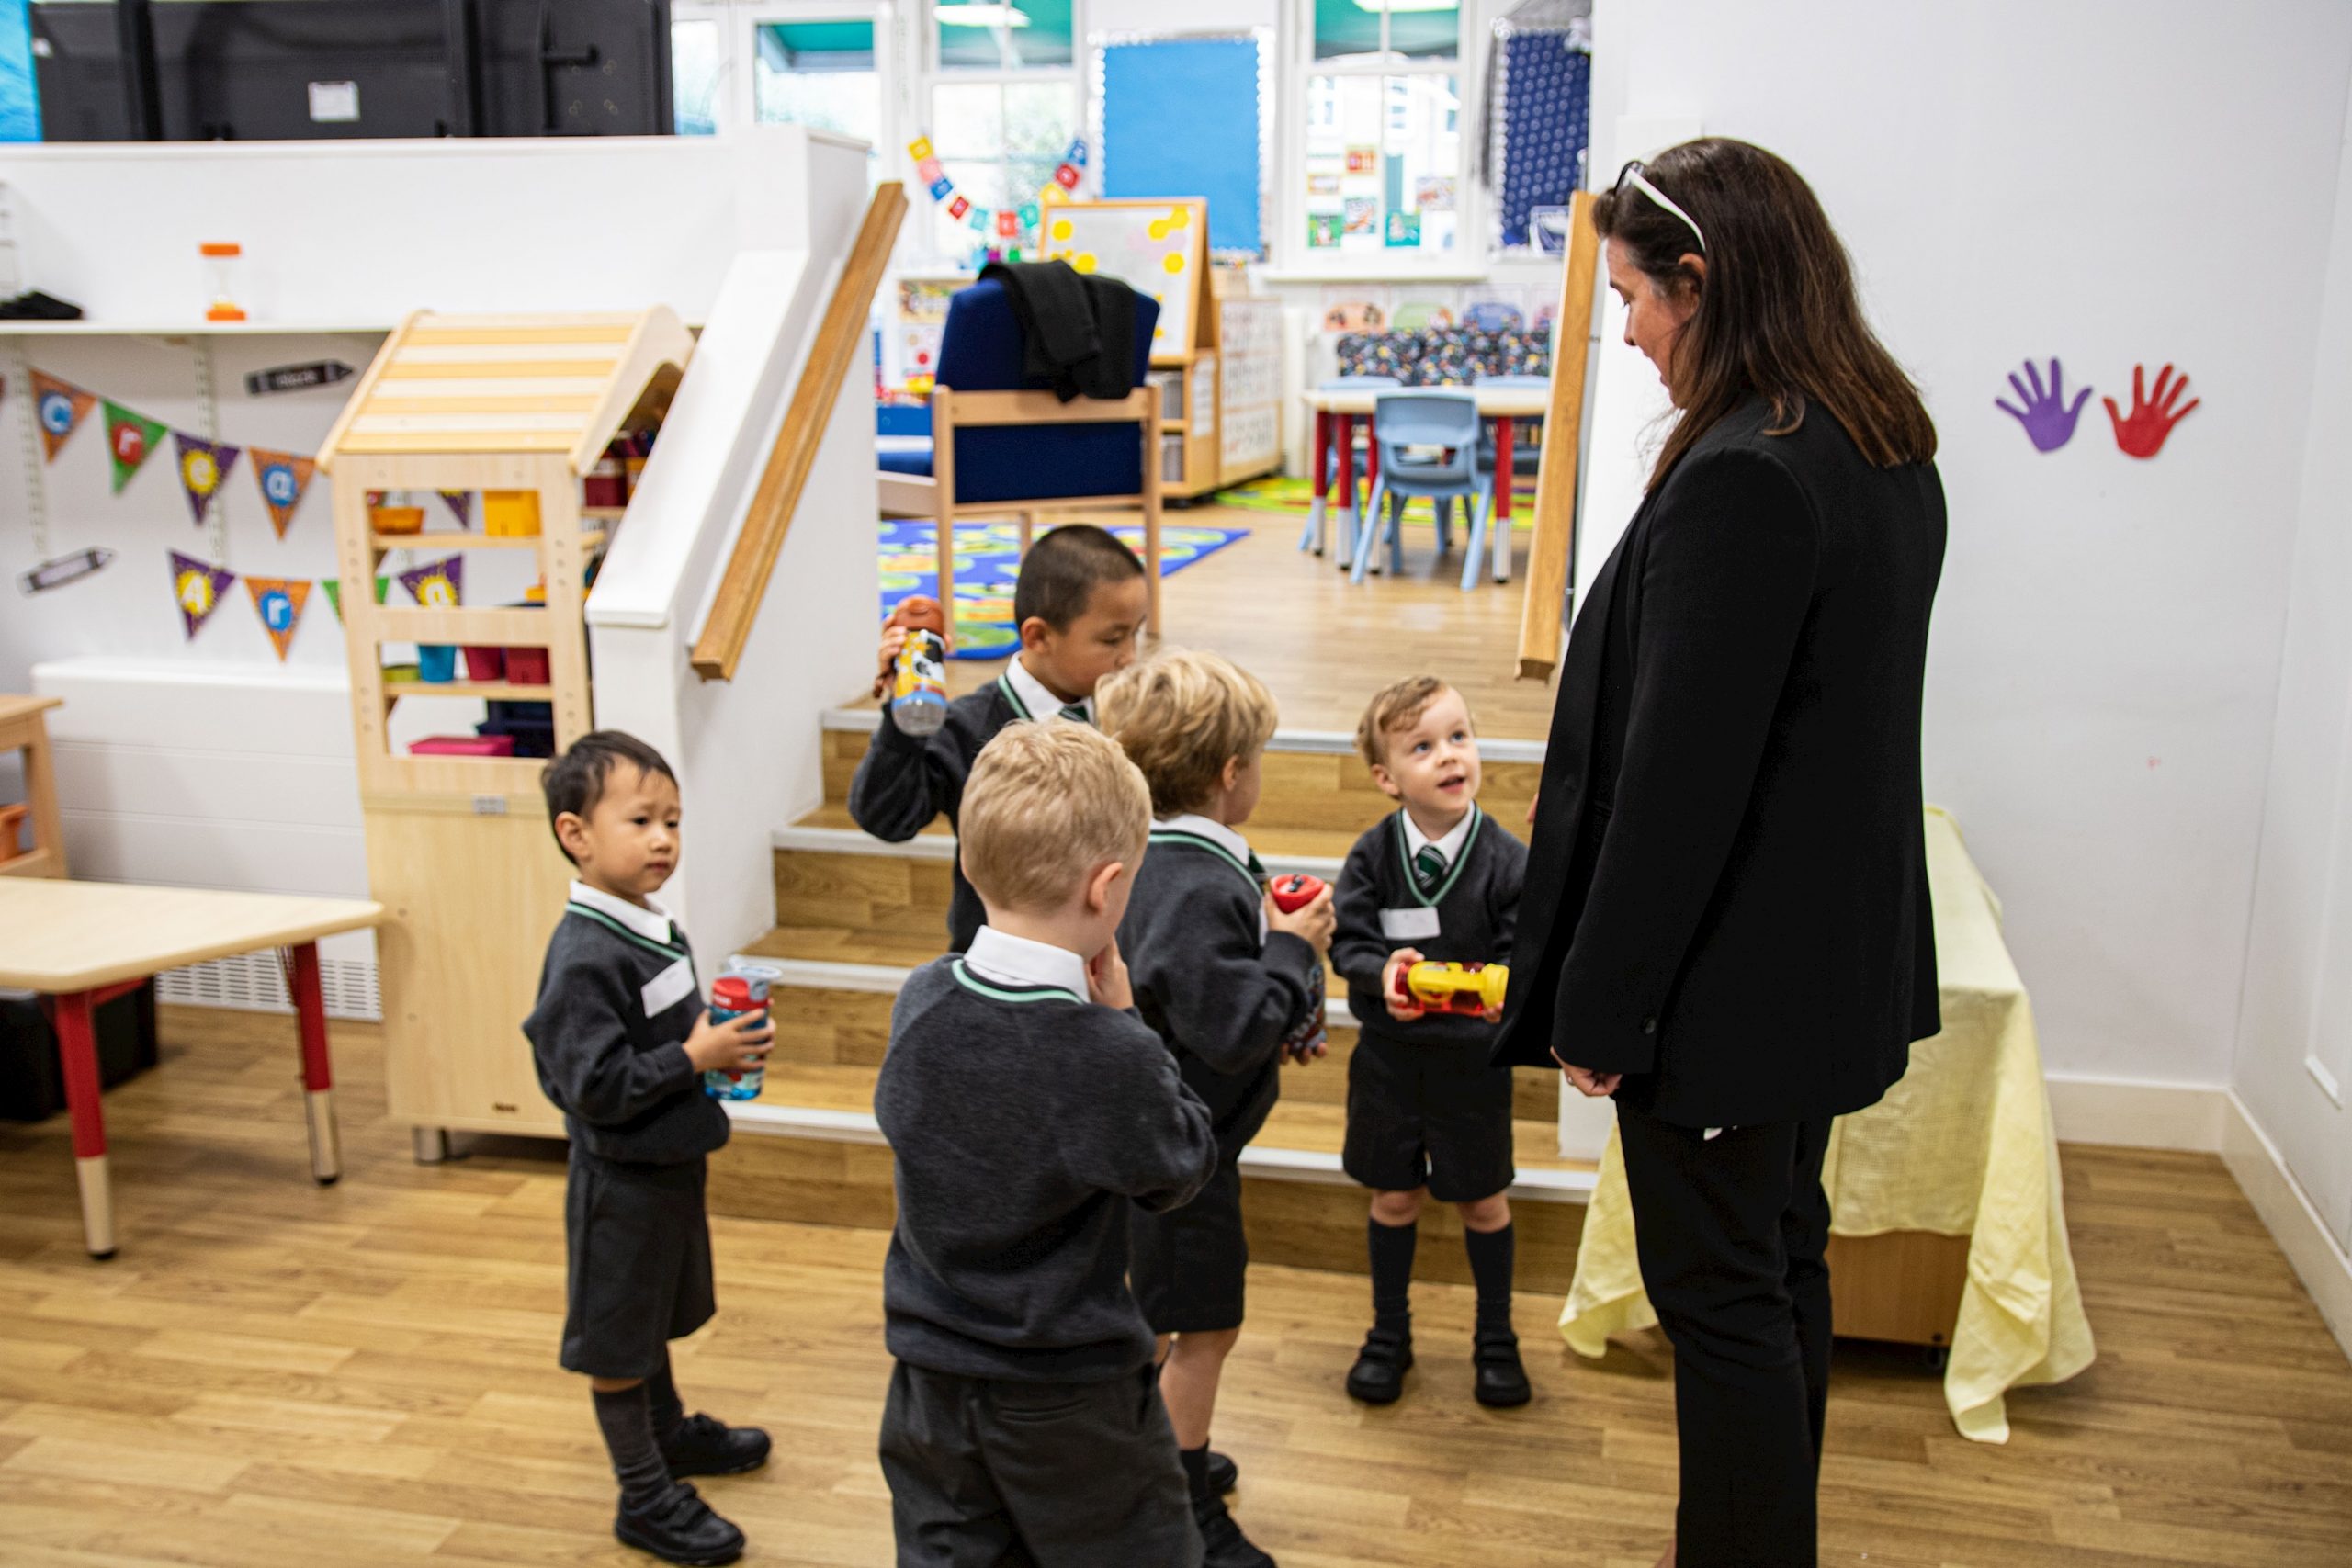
1079, 604
1427, 1113
621, 1042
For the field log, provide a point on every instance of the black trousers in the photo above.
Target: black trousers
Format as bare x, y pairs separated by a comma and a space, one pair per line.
988, 1473
1731, 1231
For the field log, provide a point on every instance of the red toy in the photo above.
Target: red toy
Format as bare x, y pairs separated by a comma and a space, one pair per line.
1294, 892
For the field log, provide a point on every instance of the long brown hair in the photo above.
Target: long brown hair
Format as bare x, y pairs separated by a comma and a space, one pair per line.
1777, 314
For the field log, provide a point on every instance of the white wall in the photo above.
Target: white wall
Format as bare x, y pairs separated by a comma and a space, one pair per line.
2294, 1042
2107, 182
748, 751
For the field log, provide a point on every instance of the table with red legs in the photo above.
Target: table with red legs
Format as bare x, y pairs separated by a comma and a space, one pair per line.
80, 945
1336, 412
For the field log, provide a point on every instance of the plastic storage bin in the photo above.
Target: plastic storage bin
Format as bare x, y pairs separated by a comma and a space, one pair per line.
485, 664
462, 746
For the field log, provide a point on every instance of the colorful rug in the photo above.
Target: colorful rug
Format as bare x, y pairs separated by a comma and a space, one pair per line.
987, 561
1282, 493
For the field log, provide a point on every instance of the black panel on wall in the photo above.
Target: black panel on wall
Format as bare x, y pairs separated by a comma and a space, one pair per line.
300, 70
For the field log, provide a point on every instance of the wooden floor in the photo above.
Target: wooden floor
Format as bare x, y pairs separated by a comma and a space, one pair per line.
271, 1374
1325, 645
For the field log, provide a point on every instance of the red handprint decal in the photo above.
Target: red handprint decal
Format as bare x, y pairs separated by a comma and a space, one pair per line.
2142, 434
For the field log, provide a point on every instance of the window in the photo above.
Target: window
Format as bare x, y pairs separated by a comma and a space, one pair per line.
817, 74
695, 48
1005, 104
991, 35
1382, 154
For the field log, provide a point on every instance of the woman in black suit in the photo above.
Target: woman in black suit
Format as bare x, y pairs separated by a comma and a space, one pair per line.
1725, 924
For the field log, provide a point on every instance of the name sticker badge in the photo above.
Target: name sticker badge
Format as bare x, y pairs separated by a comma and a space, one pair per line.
666, 989
1409, 925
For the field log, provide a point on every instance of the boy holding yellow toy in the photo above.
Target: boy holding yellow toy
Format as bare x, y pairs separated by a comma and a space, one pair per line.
1437, 879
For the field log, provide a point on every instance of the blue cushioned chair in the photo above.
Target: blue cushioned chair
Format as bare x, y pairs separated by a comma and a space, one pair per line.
1000, 448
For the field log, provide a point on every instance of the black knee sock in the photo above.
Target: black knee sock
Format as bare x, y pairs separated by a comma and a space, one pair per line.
1392, 1274
661, 1403
1196, 1470
629, 1436
1490, 1266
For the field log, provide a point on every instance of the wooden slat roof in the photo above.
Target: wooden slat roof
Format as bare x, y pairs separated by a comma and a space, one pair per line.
489, 384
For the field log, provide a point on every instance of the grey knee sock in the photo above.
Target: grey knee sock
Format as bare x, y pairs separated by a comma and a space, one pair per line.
661, 1402
627, 1425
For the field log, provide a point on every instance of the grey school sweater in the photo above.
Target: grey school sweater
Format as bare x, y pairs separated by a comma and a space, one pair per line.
620, 1077
1219, 995
1022, 1120
1478, 911
904, 781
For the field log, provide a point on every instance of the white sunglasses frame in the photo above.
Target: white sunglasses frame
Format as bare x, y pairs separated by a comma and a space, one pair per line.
1631, 173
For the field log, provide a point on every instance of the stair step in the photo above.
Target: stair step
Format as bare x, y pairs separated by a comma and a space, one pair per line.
836, 1014
1313, 779
810, 1150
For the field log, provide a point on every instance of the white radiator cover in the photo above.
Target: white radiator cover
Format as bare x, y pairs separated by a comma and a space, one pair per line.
217, 775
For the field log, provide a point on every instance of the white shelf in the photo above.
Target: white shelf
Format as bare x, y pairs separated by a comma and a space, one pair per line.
194, 329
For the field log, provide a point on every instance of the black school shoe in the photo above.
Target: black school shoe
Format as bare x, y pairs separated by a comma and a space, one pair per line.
704, 1445
1501, 1379
1378, 1376
1224, 1474
1222, 1542
680, 1528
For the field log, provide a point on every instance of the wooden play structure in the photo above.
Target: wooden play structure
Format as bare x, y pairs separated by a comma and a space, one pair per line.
24, 731
517, 409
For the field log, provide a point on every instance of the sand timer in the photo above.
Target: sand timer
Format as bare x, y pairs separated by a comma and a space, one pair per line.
223, 269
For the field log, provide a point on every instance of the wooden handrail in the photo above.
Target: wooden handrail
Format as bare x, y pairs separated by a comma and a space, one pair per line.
840, 338
1551, 549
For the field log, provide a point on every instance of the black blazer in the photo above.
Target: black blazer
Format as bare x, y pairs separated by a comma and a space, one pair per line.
1728, 889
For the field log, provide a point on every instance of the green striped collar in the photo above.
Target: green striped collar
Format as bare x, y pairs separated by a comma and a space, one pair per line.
1453, 873
1028, 697
1201, 834
648, 928
994, 992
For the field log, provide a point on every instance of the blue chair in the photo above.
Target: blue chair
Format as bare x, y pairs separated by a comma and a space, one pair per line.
1310, 537
1000, 448
1402, 423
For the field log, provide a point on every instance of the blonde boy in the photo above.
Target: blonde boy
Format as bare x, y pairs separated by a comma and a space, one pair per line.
1028, 1110
1223, 975
1427, 1113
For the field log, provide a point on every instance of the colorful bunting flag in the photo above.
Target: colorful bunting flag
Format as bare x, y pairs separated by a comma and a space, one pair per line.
957, 207
1008, 226
130, 437
204, 465
283, 477
198, 585
332, 589
58, 406
279, 602
435, 585
1065, 177
1076, 151
461, 504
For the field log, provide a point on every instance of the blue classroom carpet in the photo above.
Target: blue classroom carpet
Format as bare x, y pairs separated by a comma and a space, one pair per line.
987, 561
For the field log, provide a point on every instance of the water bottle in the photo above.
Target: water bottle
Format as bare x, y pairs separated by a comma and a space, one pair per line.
730, 997
919, 679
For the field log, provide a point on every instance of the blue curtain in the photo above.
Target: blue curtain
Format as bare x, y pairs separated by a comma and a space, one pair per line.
1179, 117
19, 103
1547, 89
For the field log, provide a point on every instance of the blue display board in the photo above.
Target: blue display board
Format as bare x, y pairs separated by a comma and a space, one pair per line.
1179, 117
19, 101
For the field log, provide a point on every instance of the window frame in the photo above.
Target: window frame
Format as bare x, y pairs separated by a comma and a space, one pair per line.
935, 76
736, 103
1289, 254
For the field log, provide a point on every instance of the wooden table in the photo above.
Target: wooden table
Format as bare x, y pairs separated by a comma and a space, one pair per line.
1336, 414
81, 944
23, 730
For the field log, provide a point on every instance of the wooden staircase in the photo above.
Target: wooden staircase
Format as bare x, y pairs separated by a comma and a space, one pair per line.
855, 914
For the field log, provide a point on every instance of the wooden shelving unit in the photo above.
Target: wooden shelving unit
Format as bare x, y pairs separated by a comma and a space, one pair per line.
457, 847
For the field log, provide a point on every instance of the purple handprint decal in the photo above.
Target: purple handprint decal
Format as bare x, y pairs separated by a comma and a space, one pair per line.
2048, 418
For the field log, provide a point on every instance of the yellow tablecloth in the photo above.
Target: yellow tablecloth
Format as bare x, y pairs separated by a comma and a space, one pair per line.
1961, 1147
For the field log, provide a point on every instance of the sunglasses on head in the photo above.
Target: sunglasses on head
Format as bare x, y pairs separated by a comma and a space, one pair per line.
1631, 175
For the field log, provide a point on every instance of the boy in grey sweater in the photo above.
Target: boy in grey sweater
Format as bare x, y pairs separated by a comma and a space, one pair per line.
1028, 1109
1224, 976
621, 1042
